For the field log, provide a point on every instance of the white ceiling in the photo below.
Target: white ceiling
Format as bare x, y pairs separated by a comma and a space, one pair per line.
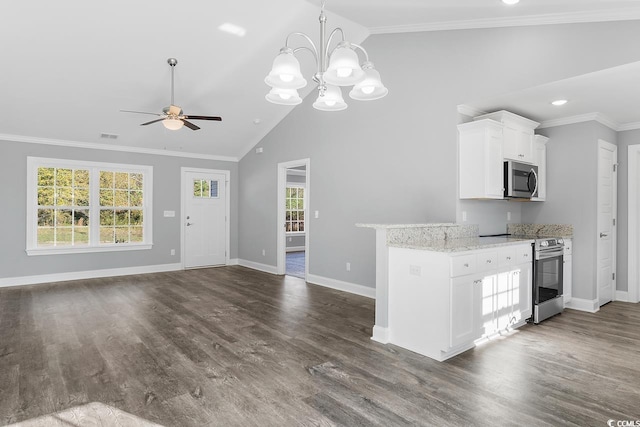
69, 66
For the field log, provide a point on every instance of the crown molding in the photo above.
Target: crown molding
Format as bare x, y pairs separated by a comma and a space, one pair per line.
122, 148
629, 126
626, 14
597, 117
470, 111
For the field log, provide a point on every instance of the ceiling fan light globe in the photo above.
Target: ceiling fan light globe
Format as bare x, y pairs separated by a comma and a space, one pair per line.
344, 69
285, 72
173, 124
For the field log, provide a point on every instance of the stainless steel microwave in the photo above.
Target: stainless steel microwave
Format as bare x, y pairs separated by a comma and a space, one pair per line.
520, 180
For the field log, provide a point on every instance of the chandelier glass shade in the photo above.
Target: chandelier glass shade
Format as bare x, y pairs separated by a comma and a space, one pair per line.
339, 66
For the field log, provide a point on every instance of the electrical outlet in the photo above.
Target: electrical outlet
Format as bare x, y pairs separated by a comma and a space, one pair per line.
508, 216
464, 215
289, 238
415, 270
348, 266
264, 252
317, 214
173, 251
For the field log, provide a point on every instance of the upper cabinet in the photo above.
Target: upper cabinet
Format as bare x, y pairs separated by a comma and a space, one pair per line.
481, 160
540, 159
518, 138
487, 142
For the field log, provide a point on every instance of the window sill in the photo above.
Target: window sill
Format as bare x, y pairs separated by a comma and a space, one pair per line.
83, 250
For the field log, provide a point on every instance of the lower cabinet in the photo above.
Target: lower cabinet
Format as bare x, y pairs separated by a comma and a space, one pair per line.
440, 304
567, 274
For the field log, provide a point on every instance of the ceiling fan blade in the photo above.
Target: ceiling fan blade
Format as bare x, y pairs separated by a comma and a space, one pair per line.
152, 121
218, 119
140, 112
190, 125
174, 110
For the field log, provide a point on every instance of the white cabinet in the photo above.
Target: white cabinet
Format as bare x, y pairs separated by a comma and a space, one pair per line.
481, 172
517, 135
540, 148
441, 303
567, 274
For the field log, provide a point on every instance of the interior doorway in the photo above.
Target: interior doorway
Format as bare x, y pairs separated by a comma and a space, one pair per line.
293, 221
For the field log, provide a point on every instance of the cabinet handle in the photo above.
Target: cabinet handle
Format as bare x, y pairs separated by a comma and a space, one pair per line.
475, 282
526, 255
466, 264
488, 261
508, 258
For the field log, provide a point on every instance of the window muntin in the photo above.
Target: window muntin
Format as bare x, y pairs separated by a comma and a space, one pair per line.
294, 209
76, 206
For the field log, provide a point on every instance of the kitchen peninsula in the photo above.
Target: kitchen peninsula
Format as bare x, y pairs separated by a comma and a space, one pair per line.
440, 288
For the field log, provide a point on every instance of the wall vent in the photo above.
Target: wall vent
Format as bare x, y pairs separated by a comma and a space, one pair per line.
108, 136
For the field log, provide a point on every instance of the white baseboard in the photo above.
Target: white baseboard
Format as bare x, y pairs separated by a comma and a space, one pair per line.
622, 296
89, 274
233, 261
296, 249
584, 304
352, 288
380, 334
257, 266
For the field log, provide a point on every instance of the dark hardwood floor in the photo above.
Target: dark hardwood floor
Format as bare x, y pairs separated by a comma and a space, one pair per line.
235, 347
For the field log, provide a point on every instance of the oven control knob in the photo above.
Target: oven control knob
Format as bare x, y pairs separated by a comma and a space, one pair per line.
560, 242
544, 244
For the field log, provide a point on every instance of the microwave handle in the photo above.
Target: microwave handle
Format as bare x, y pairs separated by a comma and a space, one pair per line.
535, 189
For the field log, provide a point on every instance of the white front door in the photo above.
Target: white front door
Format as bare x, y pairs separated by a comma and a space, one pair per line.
205, 236
607, 183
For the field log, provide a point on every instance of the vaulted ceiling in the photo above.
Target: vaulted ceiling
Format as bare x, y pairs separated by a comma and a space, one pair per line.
69, 66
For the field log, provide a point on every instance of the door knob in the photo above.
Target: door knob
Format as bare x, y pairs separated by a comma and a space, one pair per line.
603, 234
189, 224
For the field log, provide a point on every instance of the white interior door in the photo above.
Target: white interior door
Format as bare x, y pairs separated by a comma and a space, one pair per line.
205, 236
607, 183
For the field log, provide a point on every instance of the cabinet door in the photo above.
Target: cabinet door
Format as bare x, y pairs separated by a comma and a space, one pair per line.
523, 292
540, 160
517, 143
486, 318
494, 170
504, 299
465, 305
525, 146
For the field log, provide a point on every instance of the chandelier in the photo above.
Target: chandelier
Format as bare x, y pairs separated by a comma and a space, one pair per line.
335, 67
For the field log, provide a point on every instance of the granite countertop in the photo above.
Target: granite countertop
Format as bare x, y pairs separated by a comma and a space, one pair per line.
463, 244
447, 224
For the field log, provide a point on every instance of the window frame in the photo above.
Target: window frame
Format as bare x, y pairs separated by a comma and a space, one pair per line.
34, 163
304, 209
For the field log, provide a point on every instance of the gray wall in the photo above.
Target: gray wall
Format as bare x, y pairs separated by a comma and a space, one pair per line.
490, 215
625, 139
394, 160
14, 262
572, 178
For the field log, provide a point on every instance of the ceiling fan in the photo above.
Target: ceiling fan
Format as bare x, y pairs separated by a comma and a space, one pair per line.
172, 116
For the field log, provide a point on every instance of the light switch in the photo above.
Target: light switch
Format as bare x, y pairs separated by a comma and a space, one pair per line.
316, 214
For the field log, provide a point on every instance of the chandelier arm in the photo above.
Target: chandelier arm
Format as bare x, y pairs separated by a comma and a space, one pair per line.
366, 55
313, 52
313, 48
333, 33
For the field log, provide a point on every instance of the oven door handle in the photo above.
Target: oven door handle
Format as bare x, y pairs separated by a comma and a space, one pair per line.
549, 254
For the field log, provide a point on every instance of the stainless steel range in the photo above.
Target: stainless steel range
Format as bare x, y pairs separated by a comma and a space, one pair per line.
547, 278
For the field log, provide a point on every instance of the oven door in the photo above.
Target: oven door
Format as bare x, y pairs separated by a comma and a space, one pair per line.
547, 278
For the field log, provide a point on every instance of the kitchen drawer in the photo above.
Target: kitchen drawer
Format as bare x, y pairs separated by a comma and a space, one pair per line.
524, 254
487, 261
506, 256
463, 264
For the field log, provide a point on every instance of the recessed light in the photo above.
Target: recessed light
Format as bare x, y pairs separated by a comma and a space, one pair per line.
510, 1
257, 121
559, 102
232, 29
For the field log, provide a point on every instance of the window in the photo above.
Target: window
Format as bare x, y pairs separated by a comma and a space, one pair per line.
205, 189
294, 213
77, 206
